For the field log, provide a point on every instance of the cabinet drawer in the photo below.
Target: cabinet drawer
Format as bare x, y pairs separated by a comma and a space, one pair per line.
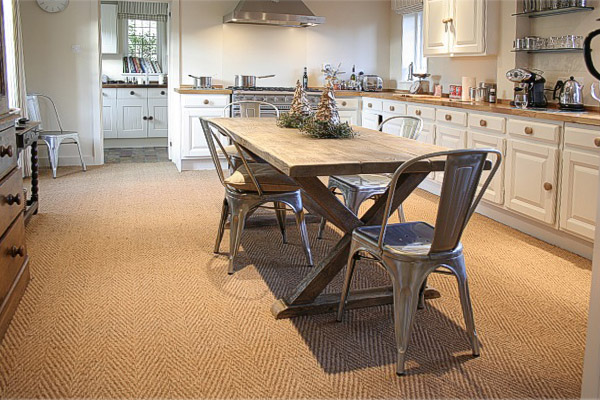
394, 107
136, 93
487, 123
109, 93
586, 138
8, 151
349, 104
421, 111
13, 253
451, 117
157, 93
202, 100
372, 104
534, 130
11, 198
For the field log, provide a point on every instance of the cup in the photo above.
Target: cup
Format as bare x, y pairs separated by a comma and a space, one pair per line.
521, 100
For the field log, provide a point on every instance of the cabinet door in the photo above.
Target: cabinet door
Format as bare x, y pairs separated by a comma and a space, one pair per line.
371, 121
158, 117
132, 117
495, 191
435, 32
193, 141
579, 192
427, 134
451, 138
531, 179
108, 26
109, 118
349, 117
468, 26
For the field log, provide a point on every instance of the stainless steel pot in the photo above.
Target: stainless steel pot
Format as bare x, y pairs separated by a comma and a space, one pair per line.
248, 80
202, 82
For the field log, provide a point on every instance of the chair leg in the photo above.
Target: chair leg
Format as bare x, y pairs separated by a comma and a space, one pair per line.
238, 220
465, 301
53, 147
422, 295
347, 281
280, 214
401, 216
304, 235
224, 215
323, 222
83, 166
406, 299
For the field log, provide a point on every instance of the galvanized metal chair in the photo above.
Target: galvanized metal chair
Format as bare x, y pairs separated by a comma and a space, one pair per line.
53, 139
409, 252
249, 187
355, 189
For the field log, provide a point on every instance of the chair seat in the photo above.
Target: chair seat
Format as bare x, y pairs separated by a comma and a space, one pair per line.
410, 239
366, 181
57, 133
270, 180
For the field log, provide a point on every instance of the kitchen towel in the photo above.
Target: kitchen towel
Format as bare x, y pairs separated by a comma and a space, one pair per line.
467, 82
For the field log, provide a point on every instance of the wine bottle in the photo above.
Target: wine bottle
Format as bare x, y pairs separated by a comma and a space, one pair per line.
305, 79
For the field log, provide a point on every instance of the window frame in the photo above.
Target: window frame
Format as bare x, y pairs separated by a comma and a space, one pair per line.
162, 42
413, 50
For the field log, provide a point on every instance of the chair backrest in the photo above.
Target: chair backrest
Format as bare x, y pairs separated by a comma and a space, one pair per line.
409, 127
247, 109
212, 133
462, 173
34, 113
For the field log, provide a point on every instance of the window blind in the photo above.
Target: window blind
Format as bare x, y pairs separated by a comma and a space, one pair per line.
407, 6
143, 10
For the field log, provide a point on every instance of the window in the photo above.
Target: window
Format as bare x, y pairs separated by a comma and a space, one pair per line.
412, 44
142, 39
9, 42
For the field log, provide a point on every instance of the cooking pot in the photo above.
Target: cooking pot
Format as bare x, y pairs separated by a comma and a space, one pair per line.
248, 80
202, 82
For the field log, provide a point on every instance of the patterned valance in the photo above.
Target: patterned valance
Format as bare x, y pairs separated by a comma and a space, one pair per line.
143, 10
407, 6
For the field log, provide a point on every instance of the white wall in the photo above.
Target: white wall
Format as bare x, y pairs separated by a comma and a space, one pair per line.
70, 78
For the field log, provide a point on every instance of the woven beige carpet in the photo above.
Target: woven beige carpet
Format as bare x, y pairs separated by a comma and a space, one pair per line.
128, 301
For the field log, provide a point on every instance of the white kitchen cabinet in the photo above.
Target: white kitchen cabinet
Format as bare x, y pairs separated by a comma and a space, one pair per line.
350, 117
371, 120
435, 32
193, 142
108, 27
109, 113
158, 118
349, 110
451, 138
531, 179
477, 140
132, 118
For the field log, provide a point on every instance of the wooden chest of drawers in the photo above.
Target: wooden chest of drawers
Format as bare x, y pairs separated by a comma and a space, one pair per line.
14, 270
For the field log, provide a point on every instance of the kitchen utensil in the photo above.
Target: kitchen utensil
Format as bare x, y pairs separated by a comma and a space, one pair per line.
372, 83
202, 82
595, 93
249, 81
570, 96
421, 86
467, 83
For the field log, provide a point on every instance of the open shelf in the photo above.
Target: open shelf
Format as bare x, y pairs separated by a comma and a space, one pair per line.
556, 11
568, 50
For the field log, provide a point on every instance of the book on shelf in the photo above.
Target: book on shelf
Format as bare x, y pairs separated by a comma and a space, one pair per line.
138, 65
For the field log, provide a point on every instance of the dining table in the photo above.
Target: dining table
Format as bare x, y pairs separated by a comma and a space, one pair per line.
306, 159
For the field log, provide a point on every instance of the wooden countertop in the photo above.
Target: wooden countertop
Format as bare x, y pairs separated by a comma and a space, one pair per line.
131, 86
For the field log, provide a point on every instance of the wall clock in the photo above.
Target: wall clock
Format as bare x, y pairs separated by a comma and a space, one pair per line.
53, 6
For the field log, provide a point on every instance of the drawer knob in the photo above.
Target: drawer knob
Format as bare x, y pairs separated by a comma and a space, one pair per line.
17, 251
392, 108
482, 122
6, 151
370, 105
132, 93
11, 199
206, 101
547, 186
597, 142
344, 103
448, 117
529, 130
162, 92
145, 118
418, 112
150, 118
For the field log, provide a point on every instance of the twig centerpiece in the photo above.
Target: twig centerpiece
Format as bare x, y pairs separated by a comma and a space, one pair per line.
326, 123
300, 110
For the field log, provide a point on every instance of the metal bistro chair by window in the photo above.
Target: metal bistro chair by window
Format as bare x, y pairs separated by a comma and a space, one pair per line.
355, 189
53, 139
411, 251
249, 187
246, 109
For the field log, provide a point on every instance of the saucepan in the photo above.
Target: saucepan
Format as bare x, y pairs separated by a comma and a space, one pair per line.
202, 82
248, 80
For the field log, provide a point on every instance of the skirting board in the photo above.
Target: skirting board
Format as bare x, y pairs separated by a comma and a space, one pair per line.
526, 225
199, 164
137, 143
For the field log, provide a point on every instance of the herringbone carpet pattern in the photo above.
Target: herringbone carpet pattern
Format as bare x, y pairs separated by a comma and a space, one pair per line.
128, 301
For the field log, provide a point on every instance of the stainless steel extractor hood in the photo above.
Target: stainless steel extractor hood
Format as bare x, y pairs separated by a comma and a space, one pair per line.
292, 13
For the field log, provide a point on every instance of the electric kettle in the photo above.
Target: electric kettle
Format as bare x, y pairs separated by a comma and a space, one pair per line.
570, 96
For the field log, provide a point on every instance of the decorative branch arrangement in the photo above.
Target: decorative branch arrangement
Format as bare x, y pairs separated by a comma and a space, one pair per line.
326, 123
300, 110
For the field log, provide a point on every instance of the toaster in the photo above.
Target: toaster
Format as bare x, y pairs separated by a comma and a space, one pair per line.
372, 83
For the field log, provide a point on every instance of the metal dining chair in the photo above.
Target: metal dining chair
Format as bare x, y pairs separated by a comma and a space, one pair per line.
411, 251
53, 139
249, 187
355, 189
245, 109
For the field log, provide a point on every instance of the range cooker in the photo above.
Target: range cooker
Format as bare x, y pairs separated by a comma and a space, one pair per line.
280, 97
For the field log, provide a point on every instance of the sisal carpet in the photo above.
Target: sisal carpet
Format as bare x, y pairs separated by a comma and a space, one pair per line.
128, 301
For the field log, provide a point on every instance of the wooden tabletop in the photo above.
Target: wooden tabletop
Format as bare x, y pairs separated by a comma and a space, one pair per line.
298, 155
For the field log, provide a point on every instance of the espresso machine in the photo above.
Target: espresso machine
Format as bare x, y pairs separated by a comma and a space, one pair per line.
532, 83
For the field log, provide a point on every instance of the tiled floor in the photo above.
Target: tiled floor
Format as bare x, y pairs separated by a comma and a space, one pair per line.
136, 155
